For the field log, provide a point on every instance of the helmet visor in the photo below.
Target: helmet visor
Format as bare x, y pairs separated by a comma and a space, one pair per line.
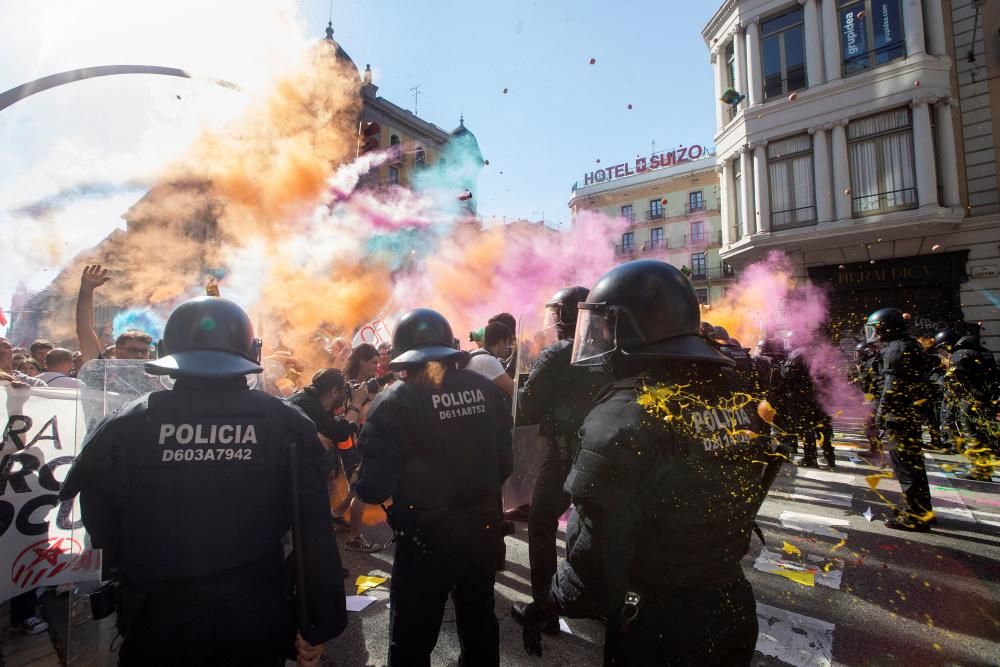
596, 335
553, 316
871, 333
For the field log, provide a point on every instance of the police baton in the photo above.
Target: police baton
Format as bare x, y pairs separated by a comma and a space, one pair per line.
301, 611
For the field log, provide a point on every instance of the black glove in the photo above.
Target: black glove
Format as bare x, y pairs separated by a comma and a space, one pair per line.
531, 632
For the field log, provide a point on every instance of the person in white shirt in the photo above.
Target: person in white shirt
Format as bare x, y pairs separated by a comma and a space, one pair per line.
498, 343
59, 365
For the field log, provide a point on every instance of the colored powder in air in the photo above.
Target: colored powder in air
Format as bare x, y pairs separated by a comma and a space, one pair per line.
139, 319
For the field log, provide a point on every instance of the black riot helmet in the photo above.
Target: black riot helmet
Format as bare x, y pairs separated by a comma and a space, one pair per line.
641, 310
561, 309
885, 323
420, 336
722, 335
707, 330
207, 337
772, 346
945, 340
968, 342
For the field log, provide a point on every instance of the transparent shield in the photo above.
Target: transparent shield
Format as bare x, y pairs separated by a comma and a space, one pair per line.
529, 449
109, 384
595, 336
870, 334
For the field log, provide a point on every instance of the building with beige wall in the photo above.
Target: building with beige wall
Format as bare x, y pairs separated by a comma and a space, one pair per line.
861, 140
671, 205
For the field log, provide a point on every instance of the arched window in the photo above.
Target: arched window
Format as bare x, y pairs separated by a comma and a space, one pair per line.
395, 150
394, 140
420, 159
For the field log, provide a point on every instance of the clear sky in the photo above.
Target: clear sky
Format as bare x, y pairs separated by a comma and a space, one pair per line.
560, 115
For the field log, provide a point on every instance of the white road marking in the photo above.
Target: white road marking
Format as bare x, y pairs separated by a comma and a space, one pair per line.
793, 638
774, 561
815, 524
825, 476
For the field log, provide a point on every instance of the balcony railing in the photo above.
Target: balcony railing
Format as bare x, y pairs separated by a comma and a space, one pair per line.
628, 217
705, 238
793, 217
656, 244
626, 249
654, 215
883, 202
714, 273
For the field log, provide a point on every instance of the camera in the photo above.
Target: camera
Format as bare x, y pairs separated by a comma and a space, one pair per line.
373, 385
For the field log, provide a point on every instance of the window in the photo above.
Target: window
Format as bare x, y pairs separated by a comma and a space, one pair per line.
697, 231
695, 201
656, 239
702, 293
655, 209
627, 213
737, 199
395, 150
880, 151
393, 175
628, 240
731, 77
420, 158
790, 176
871, 33
783, 55
698, 265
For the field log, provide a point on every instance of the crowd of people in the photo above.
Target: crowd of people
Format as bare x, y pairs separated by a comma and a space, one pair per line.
421, 429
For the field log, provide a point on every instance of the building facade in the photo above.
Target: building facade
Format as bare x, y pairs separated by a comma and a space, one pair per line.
859, 137
670, 203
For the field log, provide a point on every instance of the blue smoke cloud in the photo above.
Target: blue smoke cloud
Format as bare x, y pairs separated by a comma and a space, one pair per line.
142, 319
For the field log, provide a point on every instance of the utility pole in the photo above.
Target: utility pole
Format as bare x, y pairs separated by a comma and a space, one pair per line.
416, 96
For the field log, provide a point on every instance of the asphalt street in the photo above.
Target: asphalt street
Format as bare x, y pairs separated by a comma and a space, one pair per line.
833, 587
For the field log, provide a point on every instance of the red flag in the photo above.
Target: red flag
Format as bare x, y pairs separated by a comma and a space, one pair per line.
3, 318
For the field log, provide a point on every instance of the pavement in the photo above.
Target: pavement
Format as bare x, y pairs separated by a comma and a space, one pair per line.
834, 587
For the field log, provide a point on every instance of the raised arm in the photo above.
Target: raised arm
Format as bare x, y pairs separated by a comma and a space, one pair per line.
93, 277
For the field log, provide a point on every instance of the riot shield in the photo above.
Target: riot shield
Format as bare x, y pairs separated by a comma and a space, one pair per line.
42, 539
529, 449
109, 384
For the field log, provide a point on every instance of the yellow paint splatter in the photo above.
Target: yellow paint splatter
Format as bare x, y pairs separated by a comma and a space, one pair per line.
937, 647
838, 545
874, 480
367, 583
804, 578
790, 549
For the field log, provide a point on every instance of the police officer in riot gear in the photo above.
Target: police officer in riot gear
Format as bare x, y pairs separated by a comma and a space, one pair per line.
665, 486
208, 467
556, 396
900, 385
972, 383
731, 347
767, 375
865, 377
806, 418
438, 444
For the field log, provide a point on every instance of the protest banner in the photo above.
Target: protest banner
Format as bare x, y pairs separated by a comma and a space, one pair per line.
42, 541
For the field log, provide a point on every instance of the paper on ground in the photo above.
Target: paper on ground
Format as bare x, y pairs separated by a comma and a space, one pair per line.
815, 524
359, 602
366, 583
813, 570
794, 639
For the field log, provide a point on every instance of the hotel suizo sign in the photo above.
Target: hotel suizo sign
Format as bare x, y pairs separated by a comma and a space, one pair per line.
641, 165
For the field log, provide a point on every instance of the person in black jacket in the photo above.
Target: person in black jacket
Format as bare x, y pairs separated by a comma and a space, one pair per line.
208, 466
902, 364
327, 391
806, 418
665, 486
556, 396
438, 444
971, 383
